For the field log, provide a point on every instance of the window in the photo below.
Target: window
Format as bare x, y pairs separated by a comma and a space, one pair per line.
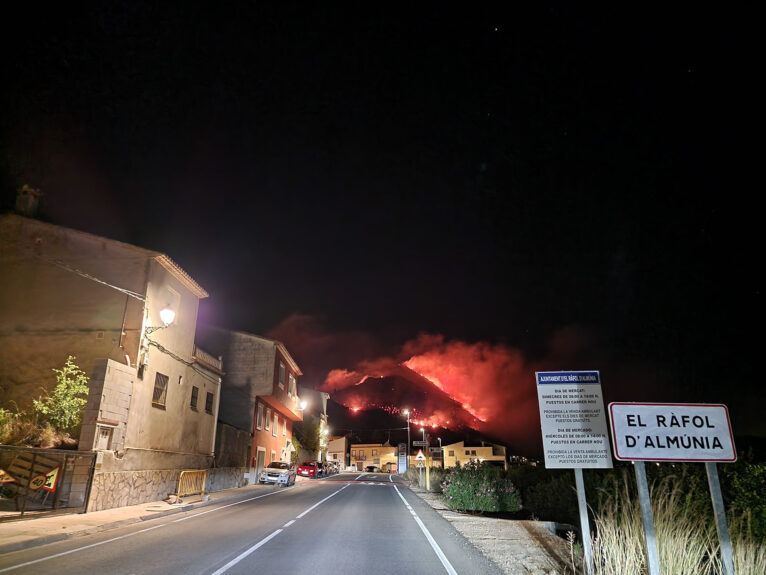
293, 388
209, 402
160, 390
275, 429
281, 375
268, 418
361, 454
452, 453
259, 421
353, 453
284, 427
194, 395
374, 452
467, 452
273, 456
473, 452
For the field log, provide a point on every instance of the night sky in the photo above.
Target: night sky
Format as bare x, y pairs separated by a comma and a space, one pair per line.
577, 184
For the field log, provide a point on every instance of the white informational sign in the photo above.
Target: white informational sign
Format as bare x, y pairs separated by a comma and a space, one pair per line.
573, 420
671, 432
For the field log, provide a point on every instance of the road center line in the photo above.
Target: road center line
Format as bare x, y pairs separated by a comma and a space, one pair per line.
286, 525
241, 556
323, 500
434, 545
6, 569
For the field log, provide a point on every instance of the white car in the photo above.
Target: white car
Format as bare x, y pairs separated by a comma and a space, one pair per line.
279, 473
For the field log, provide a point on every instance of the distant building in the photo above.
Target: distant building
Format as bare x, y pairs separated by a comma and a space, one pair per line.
259, 394
338, 451
459, 454
128, 315
382, 456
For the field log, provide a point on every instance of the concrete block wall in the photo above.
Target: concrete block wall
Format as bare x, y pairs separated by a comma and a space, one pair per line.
109, 396
222, 478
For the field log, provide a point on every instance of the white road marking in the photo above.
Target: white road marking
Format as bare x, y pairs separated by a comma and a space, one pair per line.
362, 475
390, 478
241, 556
320, 503
6, 569
286, 525
434, 545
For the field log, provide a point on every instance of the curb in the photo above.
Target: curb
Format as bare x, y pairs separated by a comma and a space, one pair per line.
47, 539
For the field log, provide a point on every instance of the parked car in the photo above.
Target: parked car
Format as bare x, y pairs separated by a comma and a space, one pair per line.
279, 473
310, 469
372, 469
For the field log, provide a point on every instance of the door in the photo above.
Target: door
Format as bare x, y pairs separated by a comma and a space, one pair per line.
259, 463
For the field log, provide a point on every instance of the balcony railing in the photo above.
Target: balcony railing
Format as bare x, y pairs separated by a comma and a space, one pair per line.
208, 360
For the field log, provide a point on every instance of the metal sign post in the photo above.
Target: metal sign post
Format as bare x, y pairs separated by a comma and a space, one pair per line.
575, 435
675, 432
720, 518
652, 556
584, 522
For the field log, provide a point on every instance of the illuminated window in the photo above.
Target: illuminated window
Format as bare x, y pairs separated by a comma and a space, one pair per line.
209, 402
284, 427
268, 419
160, 390
281, 375
259, 421
194, 395
293, 388
275, 429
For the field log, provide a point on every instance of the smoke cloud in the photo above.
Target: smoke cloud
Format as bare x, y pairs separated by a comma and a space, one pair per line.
493, 382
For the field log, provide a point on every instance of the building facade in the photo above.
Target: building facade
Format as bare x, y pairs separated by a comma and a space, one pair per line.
459, 454
379, 455
128, 315
259, 394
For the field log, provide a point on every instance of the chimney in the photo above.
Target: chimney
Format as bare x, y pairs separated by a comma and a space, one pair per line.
27, 199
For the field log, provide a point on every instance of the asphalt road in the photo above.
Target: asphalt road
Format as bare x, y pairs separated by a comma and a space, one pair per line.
345, 524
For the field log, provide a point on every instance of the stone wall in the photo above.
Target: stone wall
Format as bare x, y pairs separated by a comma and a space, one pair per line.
222, 478
121, 488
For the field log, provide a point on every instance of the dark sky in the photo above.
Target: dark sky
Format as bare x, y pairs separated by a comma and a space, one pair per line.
485, 173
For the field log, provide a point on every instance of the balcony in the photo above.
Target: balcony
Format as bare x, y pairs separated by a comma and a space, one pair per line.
208, 361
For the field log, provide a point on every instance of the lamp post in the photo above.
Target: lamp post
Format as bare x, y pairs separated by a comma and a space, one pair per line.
441, 452
428, 459
407, 413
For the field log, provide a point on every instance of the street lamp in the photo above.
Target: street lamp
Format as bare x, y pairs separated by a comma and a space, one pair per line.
441, 452
423, 429
167, 316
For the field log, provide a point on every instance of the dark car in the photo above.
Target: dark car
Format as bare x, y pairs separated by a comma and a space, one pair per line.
310, 469
372, 469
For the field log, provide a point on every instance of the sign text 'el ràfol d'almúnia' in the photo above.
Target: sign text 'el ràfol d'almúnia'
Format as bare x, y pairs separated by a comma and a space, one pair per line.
671, 432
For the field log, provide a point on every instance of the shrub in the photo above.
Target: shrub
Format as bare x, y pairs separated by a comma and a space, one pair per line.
63, 409
482, 488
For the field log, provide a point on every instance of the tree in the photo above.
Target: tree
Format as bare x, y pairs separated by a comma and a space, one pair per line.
63, 409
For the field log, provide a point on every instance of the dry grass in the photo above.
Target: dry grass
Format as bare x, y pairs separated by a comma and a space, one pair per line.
686, 537
18, 428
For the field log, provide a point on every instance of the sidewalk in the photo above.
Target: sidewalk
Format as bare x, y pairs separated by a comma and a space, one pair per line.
23, 534
516, 547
